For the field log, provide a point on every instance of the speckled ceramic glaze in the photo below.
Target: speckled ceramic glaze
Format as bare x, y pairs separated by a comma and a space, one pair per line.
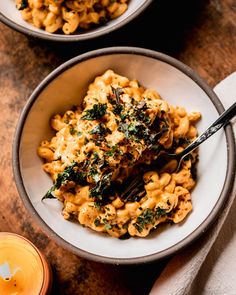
176, 83
12, 17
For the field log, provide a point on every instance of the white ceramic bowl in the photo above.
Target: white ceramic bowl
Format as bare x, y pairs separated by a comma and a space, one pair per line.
12, 17
179, 85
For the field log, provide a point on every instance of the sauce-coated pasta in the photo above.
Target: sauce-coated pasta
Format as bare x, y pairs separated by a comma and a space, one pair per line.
120, 127
70, 15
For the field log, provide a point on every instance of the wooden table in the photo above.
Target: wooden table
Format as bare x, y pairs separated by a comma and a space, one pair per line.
202, 34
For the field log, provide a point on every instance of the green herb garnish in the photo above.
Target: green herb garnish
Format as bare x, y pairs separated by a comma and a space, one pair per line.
101, 187
97, 222
108, 226
24, 4
49, 194
97, 205
117, 109
100, 130
147, 217
160, 212
114, 151
71, 173
97, 112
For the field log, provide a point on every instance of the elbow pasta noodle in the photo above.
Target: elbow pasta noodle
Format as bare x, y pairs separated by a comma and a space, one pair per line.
70, 15
120, 127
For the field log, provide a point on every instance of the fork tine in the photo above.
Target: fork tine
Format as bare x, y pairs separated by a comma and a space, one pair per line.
136, 190
134, 184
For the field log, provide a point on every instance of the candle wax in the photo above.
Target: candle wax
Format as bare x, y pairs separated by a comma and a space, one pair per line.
21, 268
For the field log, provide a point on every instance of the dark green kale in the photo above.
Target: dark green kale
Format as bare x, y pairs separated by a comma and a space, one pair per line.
98, 205
49, 194
97, 112
117, 109
97, 162
138, 131
160, 212
97, 222
71, 173
147, 217
95, 158
123, 116
101, 187
24, 4
127, 129
139, 113
114, 151
100, 131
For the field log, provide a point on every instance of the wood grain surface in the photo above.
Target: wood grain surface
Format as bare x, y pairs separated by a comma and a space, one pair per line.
202, 34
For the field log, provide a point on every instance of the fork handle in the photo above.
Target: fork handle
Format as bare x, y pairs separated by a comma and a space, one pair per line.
223, 119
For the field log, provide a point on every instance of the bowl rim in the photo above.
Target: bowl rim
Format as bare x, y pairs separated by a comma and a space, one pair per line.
72, 38
231, 160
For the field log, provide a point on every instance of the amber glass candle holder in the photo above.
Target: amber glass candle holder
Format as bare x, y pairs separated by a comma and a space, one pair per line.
23, 268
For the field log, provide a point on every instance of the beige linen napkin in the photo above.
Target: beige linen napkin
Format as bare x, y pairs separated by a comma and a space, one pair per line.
209, 265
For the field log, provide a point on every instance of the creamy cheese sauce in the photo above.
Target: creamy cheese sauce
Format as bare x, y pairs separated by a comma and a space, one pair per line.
120, 127
70, 15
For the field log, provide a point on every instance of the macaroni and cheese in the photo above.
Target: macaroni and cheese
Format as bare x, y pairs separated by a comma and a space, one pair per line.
69, 15
120, 128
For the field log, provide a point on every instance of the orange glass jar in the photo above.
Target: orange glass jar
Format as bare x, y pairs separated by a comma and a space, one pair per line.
23, 268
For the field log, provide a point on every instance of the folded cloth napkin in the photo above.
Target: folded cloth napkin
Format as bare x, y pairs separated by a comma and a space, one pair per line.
208, 266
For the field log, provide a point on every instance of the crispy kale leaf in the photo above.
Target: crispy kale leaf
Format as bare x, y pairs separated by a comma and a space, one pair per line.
24, 4
147, 217
97, 112
71, 173
101, 187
